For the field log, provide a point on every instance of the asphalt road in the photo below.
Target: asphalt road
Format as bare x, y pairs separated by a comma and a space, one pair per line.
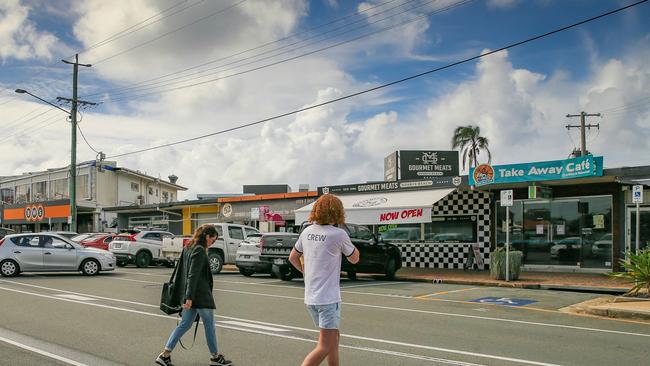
113, 319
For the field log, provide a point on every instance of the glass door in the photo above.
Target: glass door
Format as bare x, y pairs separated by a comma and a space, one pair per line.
537, 232
644, 232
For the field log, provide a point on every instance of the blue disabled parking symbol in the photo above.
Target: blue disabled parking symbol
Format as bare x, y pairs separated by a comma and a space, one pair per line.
504, 301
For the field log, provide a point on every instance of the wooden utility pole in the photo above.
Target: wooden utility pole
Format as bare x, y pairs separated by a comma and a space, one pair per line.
582, 127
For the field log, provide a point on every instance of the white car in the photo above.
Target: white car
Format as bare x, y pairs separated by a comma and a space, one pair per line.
47, 252
602, 247
143, 248
248, 257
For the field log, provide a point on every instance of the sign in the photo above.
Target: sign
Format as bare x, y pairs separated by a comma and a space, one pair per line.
255, 213
504, 301
637, 194
560, 229
506, 198
535, 192
585, 166
405, 216
50, 211
446, 182
419, 164
226, 210
477, 255
599, 221
390, 167
539, 229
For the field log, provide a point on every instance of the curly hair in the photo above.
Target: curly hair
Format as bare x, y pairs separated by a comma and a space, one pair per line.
328, 209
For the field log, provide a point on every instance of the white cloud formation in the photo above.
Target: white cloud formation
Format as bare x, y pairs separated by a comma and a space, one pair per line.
19, 37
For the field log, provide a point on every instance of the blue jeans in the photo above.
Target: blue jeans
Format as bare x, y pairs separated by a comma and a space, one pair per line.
207, 316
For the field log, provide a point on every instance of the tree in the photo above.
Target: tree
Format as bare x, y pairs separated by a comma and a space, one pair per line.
469, 141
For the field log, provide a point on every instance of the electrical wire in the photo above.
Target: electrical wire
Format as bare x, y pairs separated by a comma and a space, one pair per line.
386, 85
168, 33
84, 138
33, 129
137, 96
26, 122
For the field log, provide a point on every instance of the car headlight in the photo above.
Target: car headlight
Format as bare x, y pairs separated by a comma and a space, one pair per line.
108, 255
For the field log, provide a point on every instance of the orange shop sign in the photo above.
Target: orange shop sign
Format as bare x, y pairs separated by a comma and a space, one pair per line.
36, 212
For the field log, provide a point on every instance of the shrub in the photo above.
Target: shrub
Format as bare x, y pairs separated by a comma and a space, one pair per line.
637, 271
498, 263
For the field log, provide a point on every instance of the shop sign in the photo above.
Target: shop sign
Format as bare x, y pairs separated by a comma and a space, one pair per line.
405, 216
586, 166
390, 167
53, 211
446, 182
34, 213
226, 210
422, 164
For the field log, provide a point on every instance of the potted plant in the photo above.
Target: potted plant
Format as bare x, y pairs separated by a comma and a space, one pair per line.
637, 271
498, 263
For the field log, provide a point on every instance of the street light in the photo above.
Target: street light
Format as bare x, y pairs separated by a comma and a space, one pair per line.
72, 186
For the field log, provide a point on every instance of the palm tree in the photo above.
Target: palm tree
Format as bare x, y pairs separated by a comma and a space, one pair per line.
469, 141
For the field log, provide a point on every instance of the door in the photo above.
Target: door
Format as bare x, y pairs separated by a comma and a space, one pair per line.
374, 253
235, 236
28, 252
58, 255
537, 233
644, 229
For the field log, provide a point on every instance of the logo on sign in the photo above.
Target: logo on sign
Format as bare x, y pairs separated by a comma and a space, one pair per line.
430, 158
371, 202
483, 174
326, 190
34, 213
456, 181
226, 210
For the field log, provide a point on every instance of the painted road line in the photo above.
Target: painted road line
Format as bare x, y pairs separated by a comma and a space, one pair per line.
377, 284
447, 292
387, 352
42, 352
252, 325
76, 297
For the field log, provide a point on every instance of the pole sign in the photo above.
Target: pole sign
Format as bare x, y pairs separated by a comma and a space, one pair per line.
390, 167
637, 194
585, 166
506, 198
255, 213
423, 164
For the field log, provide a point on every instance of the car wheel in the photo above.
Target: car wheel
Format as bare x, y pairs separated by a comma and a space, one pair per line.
216, 262
352, 275
142, 260
9, 268
90, 267
246, 272
390, 269
282, 272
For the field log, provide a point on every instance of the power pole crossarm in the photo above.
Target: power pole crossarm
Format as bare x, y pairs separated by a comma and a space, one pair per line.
582, 127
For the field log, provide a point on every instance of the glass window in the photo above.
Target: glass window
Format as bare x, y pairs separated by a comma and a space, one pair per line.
7, 195
219, 230
39, 191
152, 236
364, 233
30, 241
135, 187
406, 232
451, 229
235, 233
250, 232
23, 193
165, 196
59, 189
51, 242
82, 189
108, 239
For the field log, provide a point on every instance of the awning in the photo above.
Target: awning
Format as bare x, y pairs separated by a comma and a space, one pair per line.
386, 208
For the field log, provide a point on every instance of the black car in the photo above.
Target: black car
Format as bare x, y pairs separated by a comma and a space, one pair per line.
375, 256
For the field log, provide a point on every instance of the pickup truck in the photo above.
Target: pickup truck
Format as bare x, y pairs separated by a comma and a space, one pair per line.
375, 256
224, 249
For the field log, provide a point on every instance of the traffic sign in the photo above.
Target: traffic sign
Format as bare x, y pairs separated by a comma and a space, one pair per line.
637, 194
506, 198
504, 301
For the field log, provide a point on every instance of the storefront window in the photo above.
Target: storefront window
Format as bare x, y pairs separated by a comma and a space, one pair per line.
400, 233
451, 229
7, 195
575, 232
23, 193
39, 191
59, 189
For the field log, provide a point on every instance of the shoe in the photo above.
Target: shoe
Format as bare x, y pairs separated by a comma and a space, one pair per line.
164, 361
219, 360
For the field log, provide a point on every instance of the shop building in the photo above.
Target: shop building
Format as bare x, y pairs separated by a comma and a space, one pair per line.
39, 201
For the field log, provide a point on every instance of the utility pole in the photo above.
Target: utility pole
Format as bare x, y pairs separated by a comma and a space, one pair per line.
582, 127
73, 146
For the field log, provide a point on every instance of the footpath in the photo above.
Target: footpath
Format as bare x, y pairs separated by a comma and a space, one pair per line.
607, 306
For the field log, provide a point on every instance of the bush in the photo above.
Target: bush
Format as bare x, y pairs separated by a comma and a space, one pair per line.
637, 271
498, 263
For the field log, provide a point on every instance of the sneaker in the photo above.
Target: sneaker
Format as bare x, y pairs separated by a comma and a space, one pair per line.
219, 360
164, 361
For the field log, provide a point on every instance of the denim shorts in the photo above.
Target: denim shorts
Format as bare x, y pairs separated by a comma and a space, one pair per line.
326, 316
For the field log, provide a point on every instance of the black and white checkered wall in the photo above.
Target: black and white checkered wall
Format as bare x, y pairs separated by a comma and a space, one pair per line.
453, 255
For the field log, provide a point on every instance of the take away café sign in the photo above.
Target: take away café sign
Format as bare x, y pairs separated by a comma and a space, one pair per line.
585, 166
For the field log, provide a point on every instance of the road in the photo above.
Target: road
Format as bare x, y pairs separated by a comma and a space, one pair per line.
113, 319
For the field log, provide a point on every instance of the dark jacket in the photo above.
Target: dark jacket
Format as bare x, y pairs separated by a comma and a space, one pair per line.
199, 278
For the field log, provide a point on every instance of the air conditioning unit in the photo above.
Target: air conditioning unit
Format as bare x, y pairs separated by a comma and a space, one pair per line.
139, 201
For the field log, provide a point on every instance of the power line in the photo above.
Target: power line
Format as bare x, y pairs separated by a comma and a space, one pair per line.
34, 129
84, 138
23, 121
170, 32
512, 45
286, 59
134, 85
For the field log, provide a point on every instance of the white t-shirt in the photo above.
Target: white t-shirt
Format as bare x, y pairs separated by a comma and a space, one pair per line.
322, 247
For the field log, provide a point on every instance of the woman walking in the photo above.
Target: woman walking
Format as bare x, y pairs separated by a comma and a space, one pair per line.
198, 297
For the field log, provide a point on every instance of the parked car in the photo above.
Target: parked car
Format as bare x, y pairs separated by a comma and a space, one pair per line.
401, 234
376, 256
224, 249
571, 248
65, 234
248, 254
99, 241
80, 237
142, 248
5, 231
48, 252
602, 247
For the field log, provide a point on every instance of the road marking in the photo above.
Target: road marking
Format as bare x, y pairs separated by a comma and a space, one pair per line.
376, 284
76, 297
446, 292
41, 352
251, 325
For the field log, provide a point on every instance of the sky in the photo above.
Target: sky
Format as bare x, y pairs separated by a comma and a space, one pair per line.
170, 70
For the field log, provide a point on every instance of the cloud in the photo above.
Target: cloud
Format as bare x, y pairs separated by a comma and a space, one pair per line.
19, 37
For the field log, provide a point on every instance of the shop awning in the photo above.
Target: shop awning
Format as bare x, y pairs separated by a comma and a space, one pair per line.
386, 208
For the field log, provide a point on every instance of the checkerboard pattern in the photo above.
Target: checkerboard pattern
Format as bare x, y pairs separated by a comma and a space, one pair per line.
453, 255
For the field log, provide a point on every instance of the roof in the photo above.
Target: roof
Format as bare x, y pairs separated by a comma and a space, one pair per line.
157, 206
272, 196
148, 177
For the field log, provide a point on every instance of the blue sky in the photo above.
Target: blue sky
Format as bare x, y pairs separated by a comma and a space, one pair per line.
518, 98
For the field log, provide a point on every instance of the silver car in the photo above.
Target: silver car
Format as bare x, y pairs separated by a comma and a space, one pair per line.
47, 252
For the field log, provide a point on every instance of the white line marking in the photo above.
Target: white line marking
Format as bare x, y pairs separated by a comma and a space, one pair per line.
251, 325
450, 292
41, 352
376, 284
76, 297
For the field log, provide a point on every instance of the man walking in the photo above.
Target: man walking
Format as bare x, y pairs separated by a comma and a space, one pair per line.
322, 244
